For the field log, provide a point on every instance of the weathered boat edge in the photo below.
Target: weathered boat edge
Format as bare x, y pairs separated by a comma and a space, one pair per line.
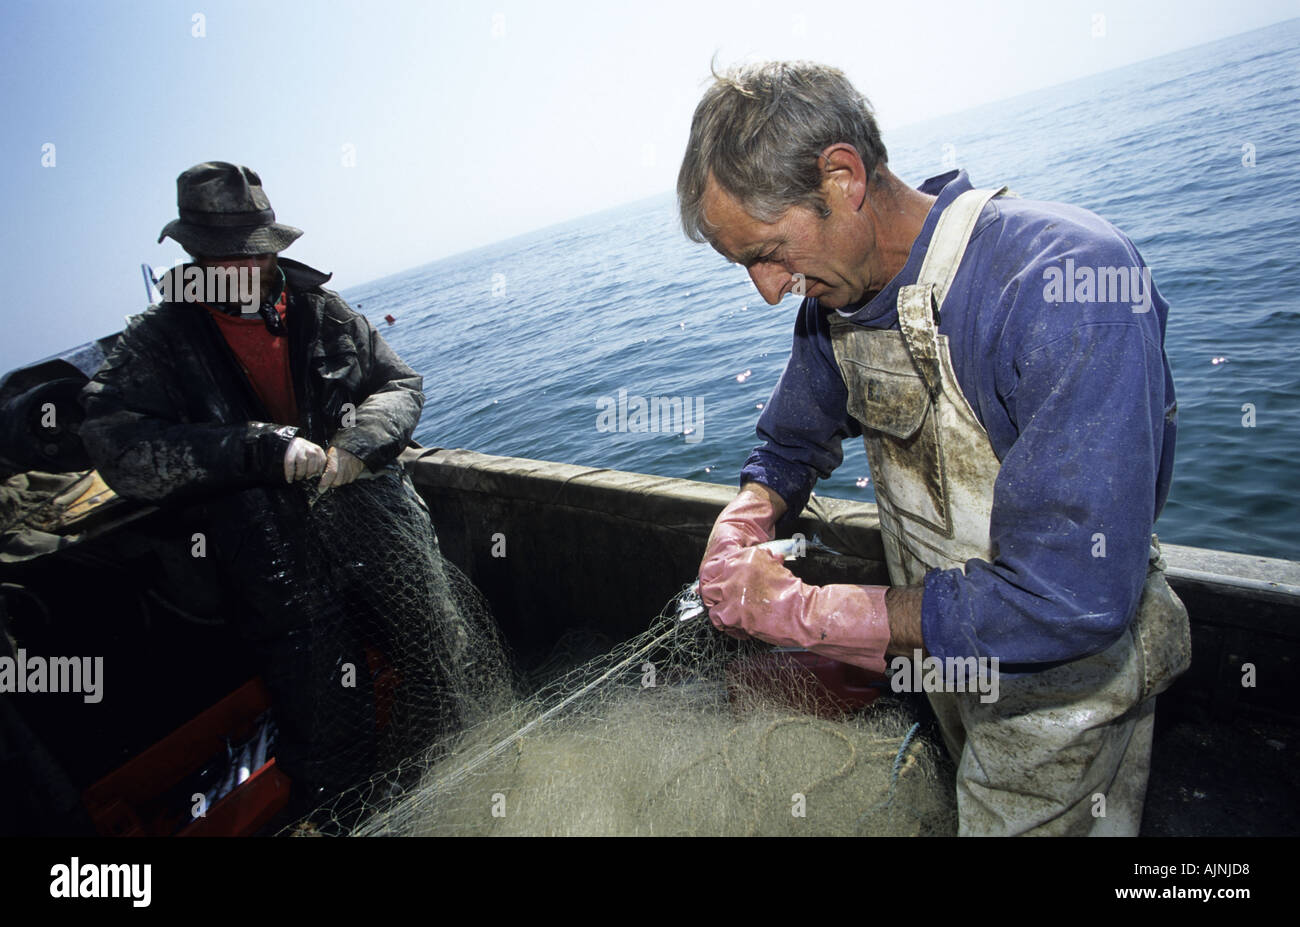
634, 539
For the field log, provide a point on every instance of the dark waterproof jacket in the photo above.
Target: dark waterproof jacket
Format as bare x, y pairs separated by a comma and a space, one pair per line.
171, 414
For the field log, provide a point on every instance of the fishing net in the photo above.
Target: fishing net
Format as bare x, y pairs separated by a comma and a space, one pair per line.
678, 731
400, 653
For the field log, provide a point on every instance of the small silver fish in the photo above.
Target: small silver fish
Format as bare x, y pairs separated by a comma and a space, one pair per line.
789, 548
689, 604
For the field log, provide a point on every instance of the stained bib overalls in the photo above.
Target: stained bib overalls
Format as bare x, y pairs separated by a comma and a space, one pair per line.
1062, 751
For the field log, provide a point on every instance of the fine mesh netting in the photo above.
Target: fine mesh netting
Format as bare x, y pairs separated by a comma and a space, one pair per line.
678, 731
401, 653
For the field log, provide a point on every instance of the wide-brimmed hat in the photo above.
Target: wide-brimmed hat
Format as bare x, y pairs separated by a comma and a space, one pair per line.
223, 211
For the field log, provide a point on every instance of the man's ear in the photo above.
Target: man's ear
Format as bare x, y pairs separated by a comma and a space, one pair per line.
844, 176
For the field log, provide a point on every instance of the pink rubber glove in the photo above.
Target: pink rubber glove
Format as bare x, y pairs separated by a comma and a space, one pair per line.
747, 520
751, 591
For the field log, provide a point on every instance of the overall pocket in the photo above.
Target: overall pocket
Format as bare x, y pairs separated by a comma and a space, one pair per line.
900, 430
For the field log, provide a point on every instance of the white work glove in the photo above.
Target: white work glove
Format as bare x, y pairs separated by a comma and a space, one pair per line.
341, 468
302, 460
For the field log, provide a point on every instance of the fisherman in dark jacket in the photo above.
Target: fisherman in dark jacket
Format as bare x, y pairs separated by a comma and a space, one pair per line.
224, 408
175, 366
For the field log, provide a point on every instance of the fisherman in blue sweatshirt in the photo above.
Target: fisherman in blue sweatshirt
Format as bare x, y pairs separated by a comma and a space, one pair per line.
1003, 361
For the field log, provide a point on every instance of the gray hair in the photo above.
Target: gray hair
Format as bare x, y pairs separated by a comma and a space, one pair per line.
759, 131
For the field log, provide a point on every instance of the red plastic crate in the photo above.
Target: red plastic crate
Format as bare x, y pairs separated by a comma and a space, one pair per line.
133, 799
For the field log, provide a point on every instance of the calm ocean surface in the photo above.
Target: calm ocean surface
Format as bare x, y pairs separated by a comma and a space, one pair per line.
520, 341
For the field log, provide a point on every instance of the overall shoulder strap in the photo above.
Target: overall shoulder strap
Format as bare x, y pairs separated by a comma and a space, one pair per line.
918, 303
951, 235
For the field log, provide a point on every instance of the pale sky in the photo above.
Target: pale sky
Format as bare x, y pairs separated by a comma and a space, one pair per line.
396, 133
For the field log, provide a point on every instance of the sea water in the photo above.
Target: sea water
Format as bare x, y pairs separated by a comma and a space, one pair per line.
524, 343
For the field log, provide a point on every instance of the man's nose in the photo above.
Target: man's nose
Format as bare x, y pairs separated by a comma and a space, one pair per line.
770, 280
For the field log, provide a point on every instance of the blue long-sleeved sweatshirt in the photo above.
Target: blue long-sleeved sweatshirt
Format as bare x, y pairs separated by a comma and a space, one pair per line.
1067, 373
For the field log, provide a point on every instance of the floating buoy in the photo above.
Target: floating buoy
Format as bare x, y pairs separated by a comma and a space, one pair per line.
389, 319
